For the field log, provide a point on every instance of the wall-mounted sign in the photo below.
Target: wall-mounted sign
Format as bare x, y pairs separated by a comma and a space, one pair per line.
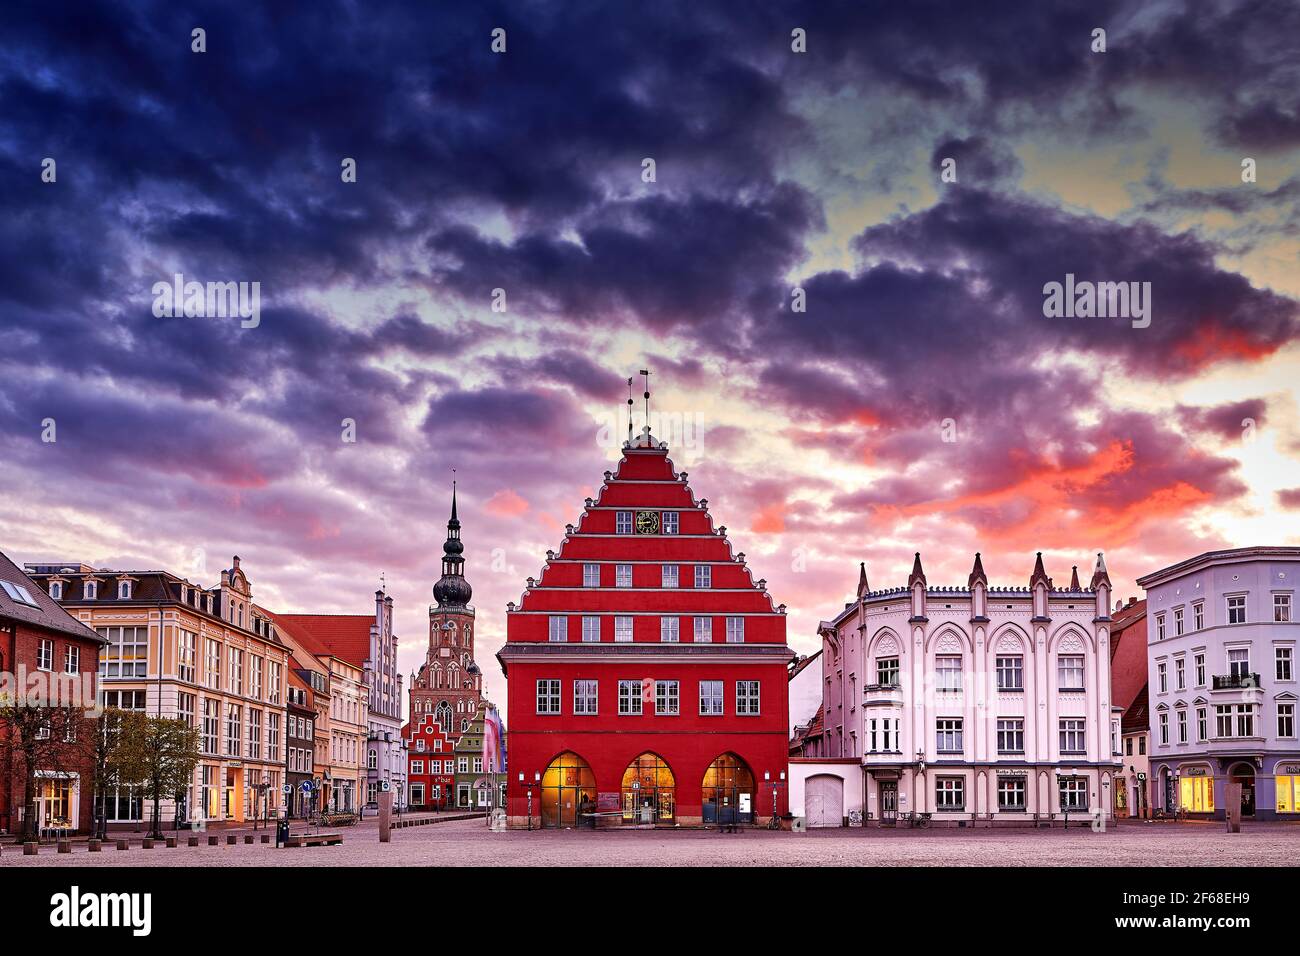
1195, 771
607, 801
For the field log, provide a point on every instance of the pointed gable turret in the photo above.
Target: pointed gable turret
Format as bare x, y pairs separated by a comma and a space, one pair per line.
916, 584
1101, 585
1041, 586
863, 587
978, 583
1074, 579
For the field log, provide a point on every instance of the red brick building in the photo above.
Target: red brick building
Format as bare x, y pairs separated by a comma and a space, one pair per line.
431, 765
42, 640
646, 667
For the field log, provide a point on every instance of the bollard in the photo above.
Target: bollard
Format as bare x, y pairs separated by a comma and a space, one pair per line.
385, 815
231, 839
248, 838
123, 845
212, 841
192, 841
147, 845
266, 838
65, 846
92, 846
171, 843
30, 849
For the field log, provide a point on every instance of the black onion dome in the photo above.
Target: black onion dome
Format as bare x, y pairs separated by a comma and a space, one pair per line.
452, 590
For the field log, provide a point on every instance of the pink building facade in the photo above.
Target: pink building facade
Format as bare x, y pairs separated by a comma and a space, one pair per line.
972, 706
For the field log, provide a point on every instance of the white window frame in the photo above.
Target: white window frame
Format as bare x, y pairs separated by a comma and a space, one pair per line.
670, 630
947, 674
669, 522
623, 628
591, 575
702, 629
630, 698
548, 697
1283, 663
949, 736
703, 576
591, 629
586, 698
1236, 606
669, 576
557, 631
950, 794
712, 700
668, 701
1068, 665
623, 522
1281, 608
748, 700
622, 575
735, 630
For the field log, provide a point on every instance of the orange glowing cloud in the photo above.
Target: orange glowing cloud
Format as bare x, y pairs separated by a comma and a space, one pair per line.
1211, 342
506, 503
769, 520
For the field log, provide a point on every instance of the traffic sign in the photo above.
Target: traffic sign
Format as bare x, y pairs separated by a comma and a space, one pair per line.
287, 788
305, 786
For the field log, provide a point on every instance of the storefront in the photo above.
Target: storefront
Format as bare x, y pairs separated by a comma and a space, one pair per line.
567, 785
57, 802
648, 791
1286, 785
728, 791
1196, 789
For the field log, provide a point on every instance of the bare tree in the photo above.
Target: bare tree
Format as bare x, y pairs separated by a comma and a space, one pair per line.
41, 743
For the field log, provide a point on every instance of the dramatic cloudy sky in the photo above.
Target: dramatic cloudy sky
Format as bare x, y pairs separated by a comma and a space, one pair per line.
817, 436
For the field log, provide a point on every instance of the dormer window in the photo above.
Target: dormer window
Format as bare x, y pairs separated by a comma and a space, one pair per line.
124, 590
91, 590
56, 590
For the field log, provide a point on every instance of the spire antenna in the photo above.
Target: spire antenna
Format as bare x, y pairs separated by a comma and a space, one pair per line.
629, 409
646, 374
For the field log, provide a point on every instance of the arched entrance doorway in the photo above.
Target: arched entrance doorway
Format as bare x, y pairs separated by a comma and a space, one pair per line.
567, 784
824, 800
1244, 774
649, 791
728, 791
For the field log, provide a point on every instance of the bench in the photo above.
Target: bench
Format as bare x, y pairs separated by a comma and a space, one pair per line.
314, 839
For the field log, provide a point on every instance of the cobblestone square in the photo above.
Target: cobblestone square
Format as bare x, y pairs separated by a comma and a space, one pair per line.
469, 843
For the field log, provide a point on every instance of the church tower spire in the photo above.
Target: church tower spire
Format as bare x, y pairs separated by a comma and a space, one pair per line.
452, 590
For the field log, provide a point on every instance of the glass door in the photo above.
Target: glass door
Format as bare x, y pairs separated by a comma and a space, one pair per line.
889, 802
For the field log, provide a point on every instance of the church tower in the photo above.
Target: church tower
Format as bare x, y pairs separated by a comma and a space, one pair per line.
448, 688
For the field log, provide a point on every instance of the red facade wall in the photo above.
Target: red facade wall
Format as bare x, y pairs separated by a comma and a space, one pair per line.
19, 643
607, 741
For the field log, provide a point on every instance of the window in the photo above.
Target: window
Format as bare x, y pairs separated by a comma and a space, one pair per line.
1180, 673
590, 629
186, 649
623, 575
1164, 727
1074, 793
417, 766
211, 725
947, 671
948, 735
1178, 622
667, 698
1202, 724
1162, 676
1069, 672
124, 590
1286, 720
235, 679
623, 522
735, 630
1198, 616
91, 589
950, 793
212, 663
710, 698
372, 760
1282, 662
884, 734
255, 677
185, 708
1281, 608
1237, 609
232, 731
629, 698
72, 659
1199, 662
1128, 746
668, 576
1011, 735
1160, 627
1011, 672
703, 576
623, 629
670, 629
703, 630
273, 683
272, 736
548, 696
591, 575
670, 522
254, 734
56, 590
1011, 793
887, 671
127, 651
1182, 725
1234, 720
1239, 662
585, 695
747, 698
1072, 736
559, 629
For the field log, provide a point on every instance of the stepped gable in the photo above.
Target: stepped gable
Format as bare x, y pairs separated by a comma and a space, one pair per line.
645, 480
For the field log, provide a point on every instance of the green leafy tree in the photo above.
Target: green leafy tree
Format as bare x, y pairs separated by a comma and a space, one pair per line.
158, 755
102, 753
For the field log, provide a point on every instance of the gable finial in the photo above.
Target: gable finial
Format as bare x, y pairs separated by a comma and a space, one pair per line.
629, 409
645, 373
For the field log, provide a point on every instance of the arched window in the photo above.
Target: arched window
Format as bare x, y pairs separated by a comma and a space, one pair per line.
649, 791
728, 791
568, 789
443, 716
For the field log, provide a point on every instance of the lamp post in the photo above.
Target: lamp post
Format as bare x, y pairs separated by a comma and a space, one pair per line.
775, 822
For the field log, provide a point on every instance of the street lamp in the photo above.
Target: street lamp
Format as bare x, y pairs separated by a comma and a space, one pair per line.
528, 787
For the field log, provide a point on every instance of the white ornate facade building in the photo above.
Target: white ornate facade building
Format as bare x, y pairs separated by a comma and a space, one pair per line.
969, 706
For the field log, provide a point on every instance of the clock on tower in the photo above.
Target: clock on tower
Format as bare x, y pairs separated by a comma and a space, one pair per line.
647, 522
